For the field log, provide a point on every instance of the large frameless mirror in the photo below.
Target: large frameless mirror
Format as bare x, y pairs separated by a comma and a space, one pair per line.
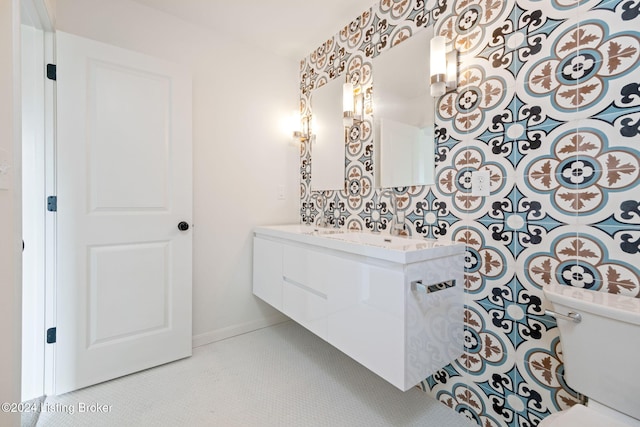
328, 141
403, 113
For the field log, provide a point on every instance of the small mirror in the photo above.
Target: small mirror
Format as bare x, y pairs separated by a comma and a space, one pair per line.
328, 143
403, 112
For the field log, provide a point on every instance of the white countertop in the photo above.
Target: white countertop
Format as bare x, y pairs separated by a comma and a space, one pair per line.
403, 250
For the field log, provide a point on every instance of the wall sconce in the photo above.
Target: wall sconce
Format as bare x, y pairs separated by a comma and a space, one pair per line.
352, 105
302, 128
444, 67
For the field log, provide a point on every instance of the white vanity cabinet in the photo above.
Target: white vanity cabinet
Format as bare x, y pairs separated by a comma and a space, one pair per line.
367, 302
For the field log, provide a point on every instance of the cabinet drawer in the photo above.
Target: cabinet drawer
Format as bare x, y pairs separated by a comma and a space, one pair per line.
306, 267
305, 306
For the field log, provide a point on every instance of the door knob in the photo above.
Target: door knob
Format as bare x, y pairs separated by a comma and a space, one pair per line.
183, 226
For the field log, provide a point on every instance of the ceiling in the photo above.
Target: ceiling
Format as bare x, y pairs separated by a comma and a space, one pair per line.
291, 28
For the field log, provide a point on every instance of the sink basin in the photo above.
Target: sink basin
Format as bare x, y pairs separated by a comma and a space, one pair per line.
323, 231
384, 241
306, 229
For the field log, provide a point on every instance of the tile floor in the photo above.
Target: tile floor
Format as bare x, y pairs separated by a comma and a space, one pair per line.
277, 376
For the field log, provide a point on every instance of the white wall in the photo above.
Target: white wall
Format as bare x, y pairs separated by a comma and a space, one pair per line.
241, 154
10, 210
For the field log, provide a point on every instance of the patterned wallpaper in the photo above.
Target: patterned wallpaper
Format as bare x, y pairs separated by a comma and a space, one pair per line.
549, 103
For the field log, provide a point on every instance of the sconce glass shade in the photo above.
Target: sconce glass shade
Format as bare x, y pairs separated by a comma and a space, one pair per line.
438, 66
348, 104
452, 69
295, 124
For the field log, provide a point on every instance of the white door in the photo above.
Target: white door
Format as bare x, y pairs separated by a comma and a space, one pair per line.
123, 280
33, 213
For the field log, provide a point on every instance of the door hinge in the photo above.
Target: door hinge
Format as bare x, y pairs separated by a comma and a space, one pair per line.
51, 335
52, 203
52, 72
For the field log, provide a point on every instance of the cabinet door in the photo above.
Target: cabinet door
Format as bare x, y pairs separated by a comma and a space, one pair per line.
267, 271
366, 316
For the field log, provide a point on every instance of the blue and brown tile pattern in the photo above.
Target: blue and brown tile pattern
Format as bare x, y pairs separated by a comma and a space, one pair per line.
549, 103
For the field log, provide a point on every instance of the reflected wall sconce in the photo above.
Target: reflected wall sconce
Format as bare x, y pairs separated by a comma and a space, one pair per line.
352, 105
444, 67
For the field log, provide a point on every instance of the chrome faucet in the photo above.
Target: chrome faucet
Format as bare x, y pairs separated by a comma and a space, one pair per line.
397, 226
322, 221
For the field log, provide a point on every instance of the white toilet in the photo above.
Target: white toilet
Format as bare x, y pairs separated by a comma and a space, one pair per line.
601, 356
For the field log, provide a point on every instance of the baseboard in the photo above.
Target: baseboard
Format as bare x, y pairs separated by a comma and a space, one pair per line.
231, 331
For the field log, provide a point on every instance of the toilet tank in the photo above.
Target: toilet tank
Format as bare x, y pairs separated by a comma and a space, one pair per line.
600, 353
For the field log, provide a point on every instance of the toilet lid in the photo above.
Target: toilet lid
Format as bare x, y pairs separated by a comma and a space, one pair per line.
581, 416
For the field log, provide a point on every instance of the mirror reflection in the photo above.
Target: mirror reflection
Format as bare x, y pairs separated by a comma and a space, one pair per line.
328, 141
403, 113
